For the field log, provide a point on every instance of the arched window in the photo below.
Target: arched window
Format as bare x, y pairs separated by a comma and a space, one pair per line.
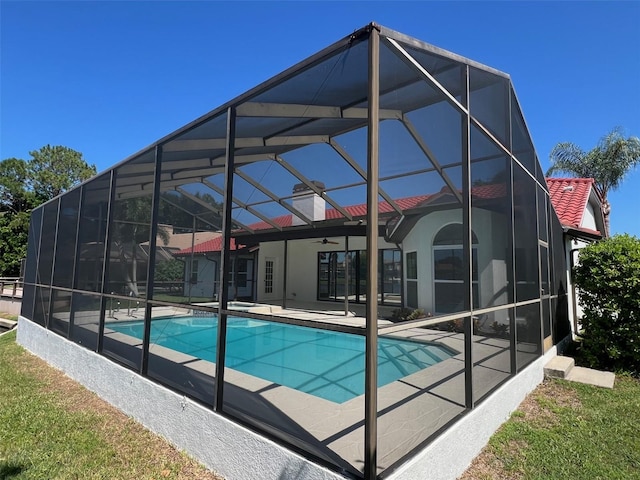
449, 269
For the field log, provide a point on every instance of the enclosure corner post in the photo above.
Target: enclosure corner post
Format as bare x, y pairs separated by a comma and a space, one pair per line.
371, 351
225, 258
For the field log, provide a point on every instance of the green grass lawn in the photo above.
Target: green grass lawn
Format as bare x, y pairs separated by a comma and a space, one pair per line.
52, 428
566, 430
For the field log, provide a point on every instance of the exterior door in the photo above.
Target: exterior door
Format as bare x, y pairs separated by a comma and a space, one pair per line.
269, 286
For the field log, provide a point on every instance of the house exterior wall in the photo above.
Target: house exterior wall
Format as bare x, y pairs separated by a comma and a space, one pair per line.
492, 270
420, 240
589, 218
302, 265
207, 283
270, 251
572, 252
207, 274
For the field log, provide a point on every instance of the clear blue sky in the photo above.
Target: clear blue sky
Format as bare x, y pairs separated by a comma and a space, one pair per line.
110, 78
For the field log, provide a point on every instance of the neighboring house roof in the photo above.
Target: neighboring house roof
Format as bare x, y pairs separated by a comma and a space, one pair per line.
179, 241
212, 245
570, 198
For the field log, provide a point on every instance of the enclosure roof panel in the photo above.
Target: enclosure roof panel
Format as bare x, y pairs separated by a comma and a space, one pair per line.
341, 46
320, 100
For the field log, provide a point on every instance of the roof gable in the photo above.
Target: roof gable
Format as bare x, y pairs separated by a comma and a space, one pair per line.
570, 197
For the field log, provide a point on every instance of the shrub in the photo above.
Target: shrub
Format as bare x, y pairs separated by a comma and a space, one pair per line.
608, 279
405, 314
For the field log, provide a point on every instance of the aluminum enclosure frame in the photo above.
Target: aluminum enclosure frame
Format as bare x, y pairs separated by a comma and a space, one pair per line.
193, 170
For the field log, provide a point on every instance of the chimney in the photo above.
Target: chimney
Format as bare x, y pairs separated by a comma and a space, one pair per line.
308, 202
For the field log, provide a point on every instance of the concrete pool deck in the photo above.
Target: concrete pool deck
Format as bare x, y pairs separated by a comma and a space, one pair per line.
411, 410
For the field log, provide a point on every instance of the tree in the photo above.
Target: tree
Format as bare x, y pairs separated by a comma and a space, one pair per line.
608, 163
25, 184
54, 170
131, 228
14, 178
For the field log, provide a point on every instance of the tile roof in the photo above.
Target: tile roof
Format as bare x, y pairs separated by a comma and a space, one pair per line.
569, 197
360, 210
179, 241
212, 245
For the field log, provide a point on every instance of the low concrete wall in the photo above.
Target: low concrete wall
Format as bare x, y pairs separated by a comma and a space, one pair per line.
222, 445
240, 454
447, 457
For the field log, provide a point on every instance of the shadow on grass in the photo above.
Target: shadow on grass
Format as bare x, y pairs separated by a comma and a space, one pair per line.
10, 469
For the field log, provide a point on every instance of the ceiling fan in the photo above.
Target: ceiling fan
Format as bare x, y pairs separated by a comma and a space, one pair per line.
325, 241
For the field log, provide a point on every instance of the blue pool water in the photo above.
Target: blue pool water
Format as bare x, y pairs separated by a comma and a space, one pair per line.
327, 364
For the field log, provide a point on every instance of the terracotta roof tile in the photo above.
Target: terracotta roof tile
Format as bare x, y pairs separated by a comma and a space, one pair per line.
360, 210
212, 245
569, 197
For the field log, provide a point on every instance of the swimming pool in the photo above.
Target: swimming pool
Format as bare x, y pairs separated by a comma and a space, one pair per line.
323, 363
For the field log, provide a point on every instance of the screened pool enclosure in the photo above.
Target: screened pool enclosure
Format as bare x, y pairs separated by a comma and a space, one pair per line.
347, 258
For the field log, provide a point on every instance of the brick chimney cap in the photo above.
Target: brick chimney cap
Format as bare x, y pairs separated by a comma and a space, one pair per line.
301, 187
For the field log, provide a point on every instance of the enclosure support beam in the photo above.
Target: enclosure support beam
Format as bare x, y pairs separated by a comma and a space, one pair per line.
241, 204
284, 277
467, 244
343, 153
312, 186
225, 259
193, 244
151, 265
76, 257
371, 350
47, 317
105, 257
512, 245
347, 278
273, 197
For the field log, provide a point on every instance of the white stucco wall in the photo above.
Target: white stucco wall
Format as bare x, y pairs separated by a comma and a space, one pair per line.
492, 243
238, 453
589, 218
302, 268
302, 264
207, 273
572, 250
449, 455
233, 451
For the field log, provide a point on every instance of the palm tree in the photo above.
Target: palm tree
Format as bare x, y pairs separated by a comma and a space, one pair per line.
608, 163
